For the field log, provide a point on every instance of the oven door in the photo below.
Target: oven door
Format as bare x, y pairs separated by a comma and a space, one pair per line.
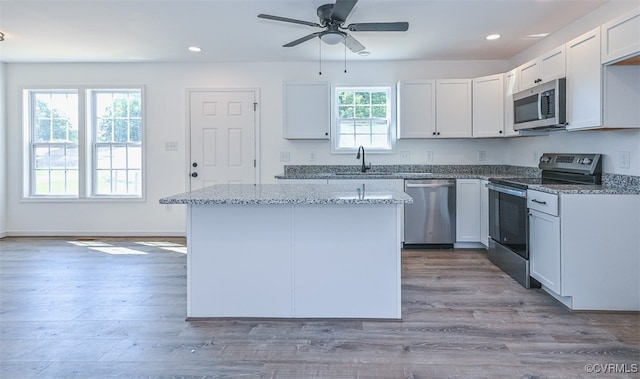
508, 220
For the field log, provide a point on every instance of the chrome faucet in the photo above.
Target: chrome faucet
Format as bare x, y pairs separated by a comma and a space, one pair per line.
364, 167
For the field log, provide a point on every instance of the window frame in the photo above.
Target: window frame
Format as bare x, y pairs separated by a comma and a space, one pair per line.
86, 151
335, 127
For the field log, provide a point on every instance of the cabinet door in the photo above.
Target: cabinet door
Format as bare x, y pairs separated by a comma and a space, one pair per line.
621, 37
488, 106
417, 109
553, 65
453, 108
544, 249
468, 210
547, 67
307, 110
584, 77
510, 87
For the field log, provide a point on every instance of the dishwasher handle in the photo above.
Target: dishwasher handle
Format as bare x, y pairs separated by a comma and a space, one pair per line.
429, 185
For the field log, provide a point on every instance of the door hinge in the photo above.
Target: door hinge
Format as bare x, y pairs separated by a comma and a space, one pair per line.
254, 163
255, 107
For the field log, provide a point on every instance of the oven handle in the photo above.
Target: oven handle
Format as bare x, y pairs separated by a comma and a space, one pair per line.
507, 190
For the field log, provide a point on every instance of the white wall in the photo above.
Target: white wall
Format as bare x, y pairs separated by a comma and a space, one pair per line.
3, 155
166, 171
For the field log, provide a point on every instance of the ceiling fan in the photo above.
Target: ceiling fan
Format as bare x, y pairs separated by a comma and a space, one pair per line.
332, 18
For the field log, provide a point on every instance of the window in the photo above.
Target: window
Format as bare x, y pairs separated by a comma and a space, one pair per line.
84, 143
363, 118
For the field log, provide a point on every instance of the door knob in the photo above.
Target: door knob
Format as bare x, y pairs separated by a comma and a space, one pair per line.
194, 164
194, 174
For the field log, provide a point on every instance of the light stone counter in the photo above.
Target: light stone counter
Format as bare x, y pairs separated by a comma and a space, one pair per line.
289, 194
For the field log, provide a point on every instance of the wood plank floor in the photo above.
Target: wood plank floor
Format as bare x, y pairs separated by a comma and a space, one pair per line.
104, 308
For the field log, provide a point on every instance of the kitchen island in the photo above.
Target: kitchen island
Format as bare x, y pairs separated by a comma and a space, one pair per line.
293, 251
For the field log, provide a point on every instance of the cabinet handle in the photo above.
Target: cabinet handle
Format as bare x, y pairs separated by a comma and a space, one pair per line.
499, 131
538, 201
434, 133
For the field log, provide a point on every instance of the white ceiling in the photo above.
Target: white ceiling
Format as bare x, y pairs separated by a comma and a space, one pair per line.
161, 31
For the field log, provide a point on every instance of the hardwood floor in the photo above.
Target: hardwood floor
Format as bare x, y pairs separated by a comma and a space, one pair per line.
104, 308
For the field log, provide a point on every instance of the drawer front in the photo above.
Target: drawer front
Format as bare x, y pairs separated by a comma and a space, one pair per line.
543, 202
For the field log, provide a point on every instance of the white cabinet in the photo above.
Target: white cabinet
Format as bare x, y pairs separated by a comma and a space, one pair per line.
542, 69
417, 109
468, 210
510, 87
484, 212
621, 37
453, 108
544, 248
584, 77
488, 106
307, 110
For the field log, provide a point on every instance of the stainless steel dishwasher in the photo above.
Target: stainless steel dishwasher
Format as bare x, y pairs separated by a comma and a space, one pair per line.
430, 221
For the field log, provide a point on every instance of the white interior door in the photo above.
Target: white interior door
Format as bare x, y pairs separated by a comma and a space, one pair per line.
223, 137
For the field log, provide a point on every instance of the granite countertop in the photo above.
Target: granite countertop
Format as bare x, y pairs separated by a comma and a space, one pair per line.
613, 184
289, 194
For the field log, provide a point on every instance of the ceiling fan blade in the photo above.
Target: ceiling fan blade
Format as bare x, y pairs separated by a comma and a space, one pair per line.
353, 44
379, 27
292, 20
303, 39
342, 9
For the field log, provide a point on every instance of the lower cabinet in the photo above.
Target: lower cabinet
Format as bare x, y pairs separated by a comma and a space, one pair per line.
544, 248
468, 210
484, 213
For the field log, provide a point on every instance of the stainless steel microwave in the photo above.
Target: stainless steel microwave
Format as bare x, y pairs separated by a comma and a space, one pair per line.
541, 107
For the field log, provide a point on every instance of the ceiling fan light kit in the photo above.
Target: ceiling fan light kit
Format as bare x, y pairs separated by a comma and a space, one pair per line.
332, 18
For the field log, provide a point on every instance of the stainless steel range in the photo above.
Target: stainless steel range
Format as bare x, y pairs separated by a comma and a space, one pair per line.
508, 216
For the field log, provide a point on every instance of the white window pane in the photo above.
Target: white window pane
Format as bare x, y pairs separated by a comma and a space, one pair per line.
119, 157
58, 182
363, 126
363, 140
72, 182
379, 128
103, 157
72, 157
58, 157
135, 157
103, 182
119, 184
41, 186
135, 182
379, 141
346, 127
41, 157
346, 141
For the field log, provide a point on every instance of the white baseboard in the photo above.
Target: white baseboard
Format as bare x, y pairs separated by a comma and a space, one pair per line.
4, 234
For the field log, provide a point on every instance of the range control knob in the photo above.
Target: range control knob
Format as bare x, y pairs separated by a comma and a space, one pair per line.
545, 159
585, 161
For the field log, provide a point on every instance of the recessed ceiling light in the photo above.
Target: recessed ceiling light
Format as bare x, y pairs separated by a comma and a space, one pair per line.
540, 35
363, 53
195, 49
493, 36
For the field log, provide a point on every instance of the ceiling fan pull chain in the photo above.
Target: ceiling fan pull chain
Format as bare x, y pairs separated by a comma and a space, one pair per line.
345, 58
320, 56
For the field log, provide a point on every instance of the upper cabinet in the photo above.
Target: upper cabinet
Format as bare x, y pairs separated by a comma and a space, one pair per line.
417, 109
510, 87
307, 110
542, 69
584, 76
621, 37
434, 108
453, 108
488, 106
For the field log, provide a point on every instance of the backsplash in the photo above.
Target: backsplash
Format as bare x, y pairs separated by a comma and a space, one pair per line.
435, 169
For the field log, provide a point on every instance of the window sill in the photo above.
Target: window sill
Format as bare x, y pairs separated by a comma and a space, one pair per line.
62, 199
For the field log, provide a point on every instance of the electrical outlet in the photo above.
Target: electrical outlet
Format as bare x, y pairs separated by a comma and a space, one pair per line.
285, 156
429, 157
312, 156
405, 155
170, 146
482, 156
625, 159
